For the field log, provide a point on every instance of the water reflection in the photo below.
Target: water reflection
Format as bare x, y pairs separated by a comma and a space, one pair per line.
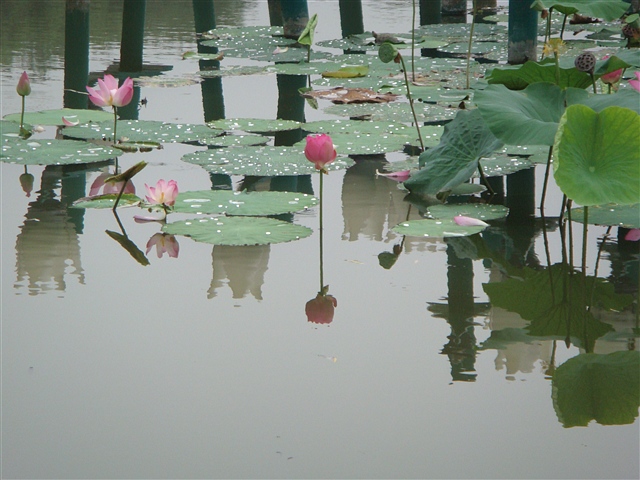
48, 247
242, 268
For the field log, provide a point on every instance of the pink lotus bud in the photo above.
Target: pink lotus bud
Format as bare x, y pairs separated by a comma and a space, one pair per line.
633, 235
469, 222
24, 85
635, 84
399, 177
320, 151
611, 77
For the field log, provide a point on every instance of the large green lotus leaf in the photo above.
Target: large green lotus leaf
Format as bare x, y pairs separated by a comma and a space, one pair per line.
212, 202
480, 211
553, 301
351, 71
461, 31
235, 141
11, 130
607, 9
394, 112
270, 53
439, 228
262, 161
477, 48
366, 143
107, 201
332, 127
143, 130
597, 155
625, 97
527, 117
519, 77
255, 125
238, 230
54, 152
604, 388
239, 37
54, 117
627, 216
465, 140
365, 42
233, 71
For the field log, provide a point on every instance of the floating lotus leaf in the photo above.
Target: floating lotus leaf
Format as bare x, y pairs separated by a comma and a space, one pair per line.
352, 71
395, 112
460, 32
233, 71
607, 9
11, 130
164, 82
479, 211
235, 140
439, 228
143, 130
237, 230
54, 152
342, 95
107, 201
212, 202
54, 117
262, 161
627, 216
332, 127
367, 143
465, 140
477, 48
271, 53
238, 37
604, 388
365, 42
597, 155
255, 125
467, 189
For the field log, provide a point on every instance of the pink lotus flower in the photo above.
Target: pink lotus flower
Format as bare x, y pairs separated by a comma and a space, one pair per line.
24, 85
164, 243
469, 222
100, 187
320, 309
633, 235
611, 77
164, 193
399, 177
320, 151
635, 83
109, 94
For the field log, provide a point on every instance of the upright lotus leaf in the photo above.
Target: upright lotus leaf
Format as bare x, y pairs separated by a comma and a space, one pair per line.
465, 140
519, 77
306, 37
625, 97
604, 388
606, 9
527, 117
597, 155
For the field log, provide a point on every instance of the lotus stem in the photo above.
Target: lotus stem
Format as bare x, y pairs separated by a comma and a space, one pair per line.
595, 269
564, 22
22, 114
484, 180
593, 82
321, 232
413, 42
546, 180
115, 205
473, 23
415, 118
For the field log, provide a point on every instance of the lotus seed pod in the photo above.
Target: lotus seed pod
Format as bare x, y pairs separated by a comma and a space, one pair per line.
629, 31
585, 62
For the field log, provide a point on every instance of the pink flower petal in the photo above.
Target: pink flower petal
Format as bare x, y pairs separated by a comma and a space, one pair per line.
469, 221
400, 177
70, 123
633, 235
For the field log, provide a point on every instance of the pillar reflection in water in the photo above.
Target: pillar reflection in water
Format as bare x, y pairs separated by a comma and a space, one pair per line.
242, 268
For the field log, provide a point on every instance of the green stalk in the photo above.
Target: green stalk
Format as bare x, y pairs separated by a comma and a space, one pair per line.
413, 42
415, 118
546, 180
115, 124
473, 23
22, 114
321, 233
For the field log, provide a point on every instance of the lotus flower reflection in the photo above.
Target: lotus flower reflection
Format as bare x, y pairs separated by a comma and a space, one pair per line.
321, 309
164, 243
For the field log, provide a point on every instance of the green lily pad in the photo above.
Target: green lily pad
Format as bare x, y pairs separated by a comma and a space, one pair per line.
54, 152
351, 71
627, 216
597, 155
519, 77
255, 125
143, 130
164, 82
107, 201
212, 202
235, 141
262, 161
477, 48
11, 130
394, 112
54, 117
238, 230
439, 228
233, 71
604, 388
465, 140
333, 127
480, 211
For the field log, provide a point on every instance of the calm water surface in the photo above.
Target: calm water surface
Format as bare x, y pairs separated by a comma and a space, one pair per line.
205, 366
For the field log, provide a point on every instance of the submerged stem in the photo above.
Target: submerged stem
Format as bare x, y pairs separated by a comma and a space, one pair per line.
473, 23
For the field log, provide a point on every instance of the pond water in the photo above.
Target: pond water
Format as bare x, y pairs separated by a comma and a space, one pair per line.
205, 365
